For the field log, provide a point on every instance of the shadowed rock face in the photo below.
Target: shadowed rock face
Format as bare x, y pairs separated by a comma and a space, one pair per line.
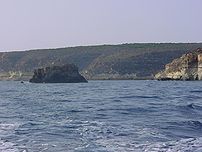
187, 67
58, 74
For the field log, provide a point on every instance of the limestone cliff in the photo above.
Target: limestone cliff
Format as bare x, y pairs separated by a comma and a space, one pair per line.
58, 74
187, 67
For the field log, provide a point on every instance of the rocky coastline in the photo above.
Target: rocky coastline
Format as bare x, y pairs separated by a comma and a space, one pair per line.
188, 67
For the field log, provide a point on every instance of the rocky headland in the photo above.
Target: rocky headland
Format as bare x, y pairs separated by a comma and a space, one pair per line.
187, 67
67, 73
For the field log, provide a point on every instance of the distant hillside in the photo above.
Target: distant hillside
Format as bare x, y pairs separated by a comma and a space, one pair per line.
125, 61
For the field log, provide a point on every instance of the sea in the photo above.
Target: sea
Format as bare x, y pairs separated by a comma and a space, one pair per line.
101, 116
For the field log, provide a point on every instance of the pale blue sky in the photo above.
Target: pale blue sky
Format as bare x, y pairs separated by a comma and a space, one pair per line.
28, 24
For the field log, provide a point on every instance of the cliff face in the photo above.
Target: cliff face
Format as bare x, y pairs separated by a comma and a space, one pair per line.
58, 74
187, 67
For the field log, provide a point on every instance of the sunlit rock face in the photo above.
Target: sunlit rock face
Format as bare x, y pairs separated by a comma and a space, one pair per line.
187, 67
58, 74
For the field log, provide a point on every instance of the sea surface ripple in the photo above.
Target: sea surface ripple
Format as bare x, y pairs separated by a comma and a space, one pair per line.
101, 116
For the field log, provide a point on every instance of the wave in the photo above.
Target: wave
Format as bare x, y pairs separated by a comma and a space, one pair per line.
190, 107
188, 124
196, 91
140, 97
183, 129
194, 106
128, 110
189, 144
6, 146
6, 129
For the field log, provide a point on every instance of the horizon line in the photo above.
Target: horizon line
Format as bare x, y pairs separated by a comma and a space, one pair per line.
94, 45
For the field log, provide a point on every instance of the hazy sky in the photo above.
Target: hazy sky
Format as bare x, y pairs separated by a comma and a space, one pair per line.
28, 24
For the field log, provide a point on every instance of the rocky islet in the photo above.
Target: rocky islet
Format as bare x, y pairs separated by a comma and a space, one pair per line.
67, 73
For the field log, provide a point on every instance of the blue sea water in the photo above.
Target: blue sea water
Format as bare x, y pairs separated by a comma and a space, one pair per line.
101, 116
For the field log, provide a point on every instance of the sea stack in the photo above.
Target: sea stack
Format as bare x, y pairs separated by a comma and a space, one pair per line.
187, 67
67, 73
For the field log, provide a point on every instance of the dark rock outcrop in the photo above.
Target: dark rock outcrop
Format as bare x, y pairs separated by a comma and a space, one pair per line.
58, 74
187, 67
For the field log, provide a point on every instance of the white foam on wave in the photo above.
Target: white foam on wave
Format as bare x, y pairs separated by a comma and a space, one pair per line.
6, 129
190, 144
104, 138
7, 147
